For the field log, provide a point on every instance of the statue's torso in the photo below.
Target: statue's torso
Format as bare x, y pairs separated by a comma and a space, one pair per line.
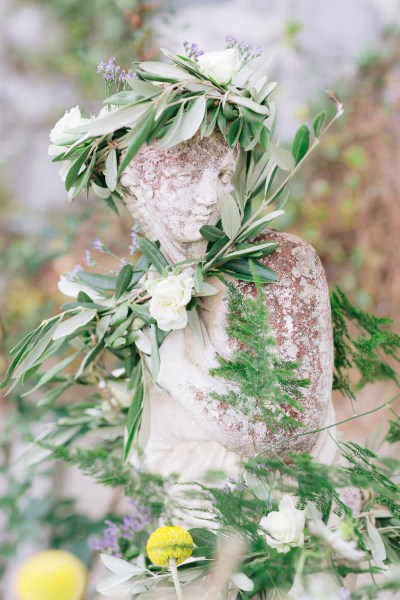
300, 319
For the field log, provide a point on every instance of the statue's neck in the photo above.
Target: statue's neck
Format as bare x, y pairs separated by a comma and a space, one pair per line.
174, 251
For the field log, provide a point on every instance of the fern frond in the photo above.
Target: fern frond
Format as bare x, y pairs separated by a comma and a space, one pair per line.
367, 352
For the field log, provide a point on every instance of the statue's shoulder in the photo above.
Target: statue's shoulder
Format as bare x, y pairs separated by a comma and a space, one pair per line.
298, 302
298, 267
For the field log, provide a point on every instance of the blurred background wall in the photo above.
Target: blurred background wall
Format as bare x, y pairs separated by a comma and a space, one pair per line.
345, 202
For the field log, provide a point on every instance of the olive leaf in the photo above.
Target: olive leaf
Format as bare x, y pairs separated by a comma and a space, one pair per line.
211, 233
193, 118
137, 137
164, 72
67, 327
98, 281
282, 157
37, 351
75, 168
153, 254
123, 280
111, 170
234, 132
318, 122
241, 268
134, 416
117, 119
230, 216
248, 103
173, 134
155, 352
301, 143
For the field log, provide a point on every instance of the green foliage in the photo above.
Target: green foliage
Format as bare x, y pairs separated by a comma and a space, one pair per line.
393, 435
367, 351
28, 516
239, 507
264, 387
103, 464
365, 473
91, 31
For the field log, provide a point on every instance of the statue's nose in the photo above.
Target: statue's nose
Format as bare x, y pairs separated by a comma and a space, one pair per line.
207, 190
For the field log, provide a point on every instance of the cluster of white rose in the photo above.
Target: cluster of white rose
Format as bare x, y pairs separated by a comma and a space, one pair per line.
169, 297
221, 66
284, 529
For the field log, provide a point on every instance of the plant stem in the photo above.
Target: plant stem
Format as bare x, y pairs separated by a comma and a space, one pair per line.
174, 573
368, 412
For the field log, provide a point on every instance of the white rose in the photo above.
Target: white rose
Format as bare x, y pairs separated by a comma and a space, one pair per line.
284, 528
219, 66
59, 135
169, 297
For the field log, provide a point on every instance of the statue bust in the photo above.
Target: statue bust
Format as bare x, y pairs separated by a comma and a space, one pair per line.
173, 193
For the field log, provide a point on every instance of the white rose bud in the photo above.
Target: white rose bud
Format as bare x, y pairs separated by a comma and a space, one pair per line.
219, 66
284, 528
169, 297
59, 135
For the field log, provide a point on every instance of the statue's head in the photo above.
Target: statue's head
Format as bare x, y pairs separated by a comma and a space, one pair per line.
179, 190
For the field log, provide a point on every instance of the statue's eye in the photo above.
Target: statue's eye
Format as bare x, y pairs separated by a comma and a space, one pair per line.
179, 177
185, 177
225, 177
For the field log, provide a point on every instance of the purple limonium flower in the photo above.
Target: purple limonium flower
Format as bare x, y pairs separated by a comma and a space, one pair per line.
109, 542
231, 41
246, 50
101, 67
344, 594
131, 524
192, 50
98, 245
89, 262
71, 275
125, 75
135, 231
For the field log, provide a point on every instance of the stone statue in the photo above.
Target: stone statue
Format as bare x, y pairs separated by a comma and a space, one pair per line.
173, 193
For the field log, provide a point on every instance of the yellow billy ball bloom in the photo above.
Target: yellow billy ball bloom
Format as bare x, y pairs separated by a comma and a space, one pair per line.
169, 542
51, 575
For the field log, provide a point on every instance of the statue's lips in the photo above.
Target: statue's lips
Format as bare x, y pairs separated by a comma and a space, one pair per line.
202, 216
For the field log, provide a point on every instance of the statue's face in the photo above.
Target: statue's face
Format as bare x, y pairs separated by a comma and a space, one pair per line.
181, 190
190, 196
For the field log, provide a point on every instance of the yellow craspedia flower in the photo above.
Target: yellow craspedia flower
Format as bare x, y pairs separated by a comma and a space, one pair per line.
169, 542
51, 575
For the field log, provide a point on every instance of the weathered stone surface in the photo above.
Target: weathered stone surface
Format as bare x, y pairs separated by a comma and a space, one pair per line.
173, 193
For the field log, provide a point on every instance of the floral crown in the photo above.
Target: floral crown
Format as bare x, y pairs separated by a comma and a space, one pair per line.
171, 102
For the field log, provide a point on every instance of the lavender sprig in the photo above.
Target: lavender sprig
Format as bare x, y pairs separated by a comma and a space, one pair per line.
135, 232
116, 535
116, 79
89, 262
192, 50
71, 275
245, 50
